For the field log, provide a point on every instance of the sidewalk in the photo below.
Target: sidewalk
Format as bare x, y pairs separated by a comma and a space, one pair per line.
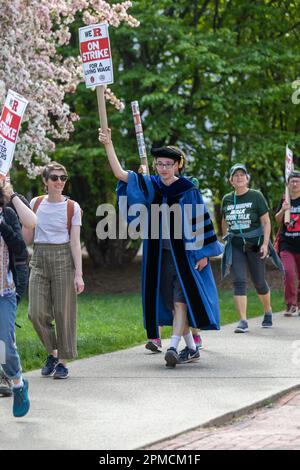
128, 399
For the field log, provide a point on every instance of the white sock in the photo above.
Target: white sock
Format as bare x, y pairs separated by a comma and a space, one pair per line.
19, 385
175, 341
189, 341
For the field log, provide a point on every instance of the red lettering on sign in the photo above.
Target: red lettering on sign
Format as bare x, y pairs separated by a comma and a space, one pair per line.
97, 32
92, 51
9, 125
15, 105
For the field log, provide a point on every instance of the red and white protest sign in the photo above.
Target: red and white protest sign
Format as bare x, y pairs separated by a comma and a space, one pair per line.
10, 122
96, 55
289, 165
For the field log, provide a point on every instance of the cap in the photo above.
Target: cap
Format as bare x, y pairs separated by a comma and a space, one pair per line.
236, 167
294, 174
168, 152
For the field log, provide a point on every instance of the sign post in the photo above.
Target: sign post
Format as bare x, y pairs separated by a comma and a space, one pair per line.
97, 63
10, 122
102, 107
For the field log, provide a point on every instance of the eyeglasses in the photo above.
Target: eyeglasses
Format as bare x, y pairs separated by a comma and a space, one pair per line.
161, 165
58, 177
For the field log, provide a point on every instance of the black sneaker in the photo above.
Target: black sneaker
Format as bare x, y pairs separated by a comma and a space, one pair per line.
267, 321
49, 367
5, 385
154, 345
171, 357
61, 372
242, 327
188, 355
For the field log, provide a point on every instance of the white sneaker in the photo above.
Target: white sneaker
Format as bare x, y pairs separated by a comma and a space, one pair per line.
292, 311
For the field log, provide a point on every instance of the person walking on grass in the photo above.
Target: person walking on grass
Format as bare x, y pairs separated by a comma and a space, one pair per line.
246, 228
175, 278
11, 244
56, 271
289, 245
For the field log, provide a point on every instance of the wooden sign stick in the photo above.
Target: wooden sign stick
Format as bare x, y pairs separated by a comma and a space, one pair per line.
102, 107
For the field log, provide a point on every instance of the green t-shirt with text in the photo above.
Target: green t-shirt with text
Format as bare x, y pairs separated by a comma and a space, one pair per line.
245, 214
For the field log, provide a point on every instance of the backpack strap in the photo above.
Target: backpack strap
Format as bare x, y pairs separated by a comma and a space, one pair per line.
70, 210
37, 203
70, 213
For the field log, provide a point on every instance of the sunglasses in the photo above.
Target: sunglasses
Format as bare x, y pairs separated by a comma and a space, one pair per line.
56, 178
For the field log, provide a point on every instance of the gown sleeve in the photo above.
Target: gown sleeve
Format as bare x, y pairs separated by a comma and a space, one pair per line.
138, 190
199, 233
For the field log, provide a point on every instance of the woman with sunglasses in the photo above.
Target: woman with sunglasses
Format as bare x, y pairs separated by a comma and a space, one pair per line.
56, 271
178, 285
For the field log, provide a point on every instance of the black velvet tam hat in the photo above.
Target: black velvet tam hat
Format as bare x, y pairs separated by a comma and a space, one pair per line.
167, 152
294, 174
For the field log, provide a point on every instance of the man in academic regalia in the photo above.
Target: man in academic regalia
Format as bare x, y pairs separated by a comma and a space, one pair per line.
178, 287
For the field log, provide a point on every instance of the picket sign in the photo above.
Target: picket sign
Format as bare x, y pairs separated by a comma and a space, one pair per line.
289, 167
10, 122
97, 63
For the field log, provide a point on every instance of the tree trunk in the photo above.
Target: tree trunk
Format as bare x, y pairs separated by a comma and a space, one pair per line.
218, 218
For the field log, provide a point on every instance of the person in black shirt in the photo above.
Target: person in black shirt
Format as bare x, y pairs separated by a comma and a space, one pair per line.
289, 245
27, 218
11, 244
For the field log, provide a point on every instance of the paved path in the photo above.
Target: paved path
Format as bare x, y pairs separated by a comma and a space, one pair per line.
128, 399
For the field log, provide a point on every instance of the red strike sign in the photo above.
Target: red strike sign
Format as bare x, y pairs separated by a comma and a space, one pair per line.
95, 50
10, 122
9, 125
96, 55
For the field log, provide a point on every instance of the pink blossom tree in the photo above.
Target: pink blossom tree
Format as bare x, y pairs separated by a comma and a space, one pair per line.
32, 31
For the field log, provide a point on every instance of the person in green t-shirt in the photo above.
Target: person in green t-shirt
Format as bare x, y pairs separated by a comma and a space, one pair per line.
246, 222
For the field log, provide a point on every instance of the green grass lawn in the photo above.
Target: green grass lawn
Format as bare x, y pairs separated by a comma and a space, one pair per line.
107, 323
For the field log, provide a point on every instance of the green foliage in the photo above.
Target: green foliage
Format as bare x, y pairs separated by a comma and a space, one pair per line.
213, 76
216, 78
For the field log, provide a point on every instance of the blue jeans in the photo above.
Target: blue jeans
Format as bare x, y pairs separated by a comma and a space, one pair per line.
9, 356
